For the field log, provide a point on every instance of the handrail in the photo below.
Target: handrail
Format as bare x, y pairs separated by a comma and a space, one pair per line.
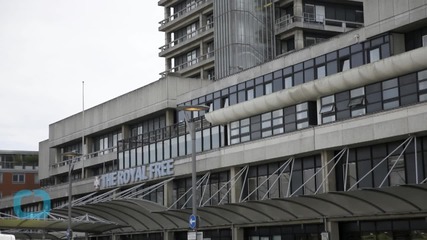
186, 37
85, 157
188, 64
286, 20
188, 8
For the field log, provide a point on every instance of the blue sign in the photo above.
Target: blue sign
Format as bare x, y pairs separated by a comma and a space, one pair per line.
17, 199
192, 222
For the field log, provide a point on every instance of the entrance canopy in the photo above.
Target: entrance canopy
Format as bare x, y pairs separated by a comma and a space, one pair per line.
142, 215
131, 214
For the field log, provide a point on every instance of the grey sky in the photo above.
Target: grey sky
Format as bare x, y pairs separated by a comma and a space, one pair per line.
48, 47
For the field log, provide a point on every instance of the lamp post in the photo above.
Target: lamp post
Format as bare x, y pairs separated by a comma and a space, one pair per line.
72, 154
190, 124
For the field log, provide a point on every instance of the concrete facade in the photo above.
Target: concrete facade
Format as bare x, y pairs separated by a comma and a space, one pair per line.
264, 129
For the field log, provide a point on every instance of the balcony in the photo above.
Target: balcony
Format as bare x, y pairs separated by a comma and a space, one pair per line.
318, 22
198, 33
187, 66
197, 5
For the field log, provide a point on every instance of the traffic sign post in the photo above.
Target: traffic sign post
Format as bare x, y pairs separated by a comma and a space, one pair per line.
192, 222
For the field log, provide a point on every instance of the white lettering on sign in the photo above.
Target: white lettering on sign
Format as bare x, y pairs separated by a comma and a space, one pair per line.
137, 174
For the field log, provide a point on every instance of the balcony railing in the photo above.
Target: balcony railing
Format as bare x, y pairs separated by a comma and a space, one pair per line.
285, 21
189, 8
186, 37
188, 64
85, 157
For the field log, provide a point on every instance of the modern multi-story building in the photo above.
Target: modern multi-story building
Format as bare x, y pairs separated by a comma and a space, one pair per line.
18, 171
316, 128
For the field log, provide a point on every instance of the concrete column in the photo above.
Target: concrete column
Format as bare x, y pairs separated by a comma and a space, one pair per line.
333, 229
167, 193
237, 188
86, 150
167, 12
299, 39
330, 183
236, 233
298, 8
125, 131
167, 235
170, 117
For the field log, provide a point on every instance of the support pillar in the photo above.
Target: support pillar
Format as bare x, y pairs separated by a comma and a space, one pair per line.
299, 39
167, 235
333, 229
237, 188
236, 233
167, 193
298, 8
330, 183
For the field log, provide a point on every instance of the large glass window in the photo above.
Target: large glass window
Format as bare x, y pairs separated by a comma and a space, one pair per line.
371, 168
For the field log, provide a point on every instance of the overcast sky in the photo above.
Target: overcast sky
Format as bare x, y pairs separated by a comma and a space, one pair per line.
48, 47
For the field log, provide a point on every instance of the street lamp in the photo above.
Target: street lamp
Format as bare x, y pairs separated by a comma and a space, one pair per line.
190, 124
72, 154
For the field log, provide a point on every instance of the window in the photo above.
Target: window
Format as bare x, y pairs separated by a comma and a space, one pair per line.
422, 85
18, 178
250, 94
192, 57
345, 64
390, 94
288, 82
321, 71
357, 102
302, 115
191, 30
328, 109
1, 177
374, 55
424, 40
397, 175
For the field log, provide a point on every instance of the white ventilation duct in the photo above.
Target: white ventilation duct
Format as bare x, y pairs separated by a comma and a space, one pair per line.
390, 67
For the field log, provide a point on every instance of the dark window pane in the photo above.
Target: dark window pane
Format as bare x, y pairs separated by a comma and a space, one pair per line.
357, 59
332, 68
298, 78
308, 75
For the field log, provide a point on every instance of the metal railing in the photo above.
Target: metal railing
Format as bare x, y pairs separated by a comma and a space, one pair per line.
188, 64
285, 21
188, 8
187, 37
85, 157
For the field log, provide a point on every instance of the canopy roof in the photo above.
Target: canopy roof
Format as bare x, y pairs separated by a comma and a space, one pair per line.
142, 215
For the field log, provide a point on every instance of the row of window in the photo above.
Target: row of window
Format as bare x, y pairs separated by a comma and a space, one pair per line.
367, 167
402, 170
276, 180
388, 94
169, 142
280, 121
175, 141
212, 191
408, 229
107, 142
325, 65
